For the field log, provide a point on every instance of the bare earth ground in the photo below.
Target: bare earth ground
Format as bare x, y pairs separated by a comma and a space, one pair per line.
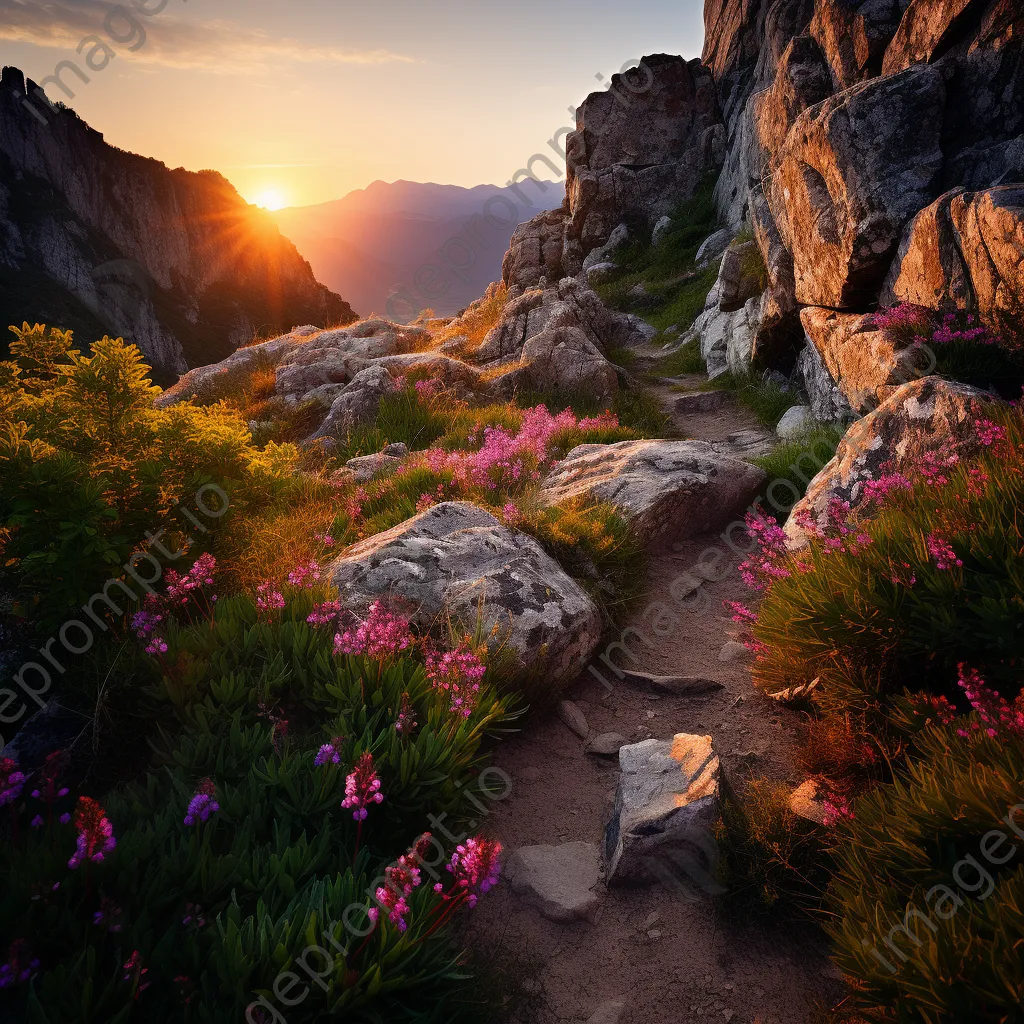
669, 958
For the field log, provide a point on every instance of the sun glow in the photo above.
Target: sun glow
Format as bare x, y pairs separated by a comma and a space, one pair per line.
271, 199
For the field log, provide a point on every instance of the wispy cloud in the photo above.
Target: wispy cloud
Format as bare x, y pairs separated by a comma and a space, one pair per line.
170, 41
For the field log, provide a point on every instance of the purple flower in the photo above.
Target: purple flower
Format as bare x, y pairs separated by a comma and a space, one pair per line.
95, 833
329, 752
12, 781
203, 804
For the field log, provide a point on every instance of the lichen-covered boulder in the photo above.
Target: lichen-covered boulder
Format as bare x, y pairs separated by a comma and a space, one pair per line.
535, 251
853, 170
456, 562
358, 401
666, 806
674, 488
918, 419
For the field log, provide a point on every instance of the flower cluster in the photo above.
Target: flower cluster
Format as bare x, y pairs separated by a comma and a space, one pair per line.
996, 716
476, 865
362, 788
180, 589
406, 721
928, 706
354, 504
428, 389
268, 597
973, 332
136, 973
324, 614
20, 966
380, 635
203, 804
510, 514
400, 879
905, 321
329, 752
95, 833
768, 562
837, 808
457, 673
12, 781
941, 550
305, 574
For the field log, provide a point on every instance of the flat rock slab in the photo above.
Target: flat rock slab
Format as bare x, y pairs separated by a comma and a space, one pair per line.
560, 881
608, 1013
700, 401
678, 488
455, 562
673, 685
665, 807
807, 801
606, 744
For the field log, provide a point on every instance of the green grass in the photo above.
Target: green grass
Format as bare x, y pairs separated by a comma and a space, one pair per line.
676, 290
763, 396
798, 461
685, 359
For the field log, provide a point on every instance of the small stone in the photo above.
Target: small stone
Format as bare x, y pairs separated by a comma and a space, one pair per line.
728, 1014
398, 450
605, 744
700, 401
654, 933
558, 880
806, 802
675, 686
652, 919
733, 651
795, 422
608, 1013
574, 718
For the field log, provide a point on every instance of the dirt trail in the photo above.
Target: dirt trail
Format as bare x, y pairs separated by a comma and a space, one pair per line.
669, 959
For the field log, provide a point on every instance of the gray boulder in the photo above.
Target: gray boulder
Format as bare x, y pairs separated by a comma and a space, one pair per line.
666, 804
712, 246
660, 487
795, 421
457, 562
358, 402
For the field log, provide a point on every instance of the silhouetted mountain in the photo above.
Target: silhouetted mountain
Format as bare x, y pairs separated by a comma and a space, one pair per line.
381, 241
103, 241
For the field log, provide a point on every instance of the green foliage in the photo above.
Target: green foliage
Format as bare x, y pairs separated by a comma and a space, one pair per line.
797, 462
990, 367
685, 359
871, 622
246, 703
762, 395
772, 859
904, 864
89, 466
676, 289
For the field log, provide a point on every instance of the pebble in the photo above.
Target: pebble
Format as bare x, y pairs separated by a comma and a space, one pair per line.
574, 718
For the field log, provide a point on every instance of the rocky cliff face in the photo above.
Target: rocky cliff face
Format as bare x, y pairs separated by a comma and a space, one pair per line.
105, 241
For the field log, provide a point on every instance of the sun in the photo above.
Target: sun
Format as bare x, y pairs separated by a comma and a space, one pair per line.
271, 199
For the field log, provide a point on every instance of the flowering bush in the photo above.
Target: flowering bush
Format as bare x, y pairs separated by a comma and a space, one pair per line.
925, 906
283, 793
932, 580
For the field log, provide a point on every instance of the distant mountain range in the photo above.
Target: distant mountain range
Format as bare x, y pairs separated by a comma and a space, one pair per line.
397, 248
102, 241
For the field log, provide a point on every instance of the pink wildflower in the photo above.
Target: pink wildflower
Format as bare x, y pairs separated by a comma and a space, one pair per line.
995, 714
941, 550
989, 433
305, 574
457, 673
324, 614
193, 918
406, 721
325, 538
267, 598
354, 504
181, 588
20, 966
380, 635
12, 781
203, 804
740, 612
768, 563
905, 321
362, 788
135, 972
510, 514
95, 833
837, 808
476, 865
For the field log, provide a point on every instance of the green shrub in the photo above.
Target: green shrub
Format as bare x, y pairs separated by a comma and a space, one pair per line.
685, 359
917, 856
797, 462
886, 606
765, 397
217, 910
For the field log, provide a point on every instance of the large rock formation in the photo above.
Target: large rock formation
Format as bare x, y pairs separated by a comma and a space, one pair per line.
640, 147
456, 562
673, 488
103, 241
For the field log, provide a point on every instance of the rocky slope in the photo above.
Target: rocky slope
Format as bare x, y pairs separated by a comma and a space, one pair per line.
101, 240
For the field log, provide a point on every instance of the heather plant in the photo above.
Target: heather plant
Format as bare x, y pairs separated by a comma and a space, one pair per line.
300, 759
931, 576
927, 903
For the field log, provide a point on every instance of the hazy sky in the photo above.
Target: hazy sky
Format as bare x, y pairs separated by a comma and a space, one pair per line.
310, 99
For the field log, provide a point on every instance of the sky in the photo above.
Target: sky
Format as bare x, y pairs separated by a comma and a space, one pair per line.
301, 102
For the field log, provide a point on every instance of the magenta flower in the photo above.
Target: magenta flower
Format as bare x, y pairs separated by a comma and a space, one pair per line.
203, 804
406, 721
476, 865
135, 973
324, 614
354, 504
740, 612
380, 635
12, 781
394, 904
305, 574
95, 833
457, 673
181, 588
510, 514
941, 550
362, 788
269, 599
144, 623
989, 433
325, 538
996, 715
193, 916
837, 808
20, 966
